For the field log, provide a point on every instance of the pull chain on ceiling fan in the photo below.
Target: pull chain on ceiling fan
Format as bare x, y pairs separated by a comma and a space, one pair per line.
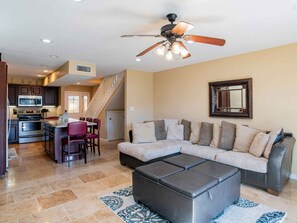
174, 34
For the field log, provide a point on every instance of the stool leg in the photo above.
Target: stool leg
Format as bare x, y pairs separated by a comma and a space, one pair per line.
98, 143
62, 154
68, 155
85, 152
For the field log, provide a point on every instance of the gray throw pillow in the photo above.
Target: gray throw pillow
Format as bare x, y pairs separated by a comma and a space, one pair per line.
160, 130
206, 134
228, 133
187, 129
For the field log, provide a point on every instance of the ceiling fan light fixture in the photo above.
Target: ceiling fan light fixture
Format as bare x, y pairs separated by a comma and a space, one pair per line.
184, 53
169, 55
138, 59
160, 51
175, 47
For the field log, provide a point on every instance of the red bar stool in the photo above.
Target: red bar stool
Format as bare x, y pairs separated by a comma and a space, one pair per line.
77, 132
91, 137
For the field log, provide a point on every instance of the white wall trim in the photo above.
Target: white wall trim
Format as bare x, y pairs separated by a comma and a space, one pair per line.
293, 176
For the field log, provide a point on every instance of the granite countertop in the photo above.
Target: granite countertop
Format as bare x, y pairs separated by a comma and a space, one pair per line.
58, 124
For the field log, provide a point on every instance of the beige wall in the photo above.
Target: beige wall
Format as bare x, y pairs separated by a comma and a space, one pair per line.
139, 94
183, 92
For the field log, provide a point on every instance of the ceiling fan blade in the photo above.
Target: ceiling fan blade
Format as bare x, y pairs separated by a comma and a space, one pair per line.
184, 55
182, 27
205, 39
150, 48
141, 36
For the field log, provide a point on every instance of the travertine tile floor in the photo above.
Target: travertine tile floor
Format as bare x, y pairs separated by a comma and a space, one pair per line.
36, 189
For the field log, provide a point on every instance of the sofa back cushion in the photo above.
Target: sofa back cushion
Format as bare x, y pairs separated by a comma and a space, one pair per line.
244, 138
259, 143
228, 133
195, 132
160, 131
187, 129
171, 122
175, 132
273, 137
216, 135
206, 133
143, 132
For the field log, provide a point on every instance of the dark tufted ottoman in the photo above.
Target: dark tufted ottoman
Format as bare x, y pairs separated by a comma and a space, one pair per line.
186, 188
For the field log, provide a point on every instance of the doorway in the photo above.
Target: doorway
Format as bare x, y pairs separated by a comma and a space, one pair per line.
76, 103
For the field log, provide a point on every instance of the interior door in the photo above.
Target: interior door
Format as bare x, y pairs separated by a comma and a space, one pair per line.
76, 103
115, 125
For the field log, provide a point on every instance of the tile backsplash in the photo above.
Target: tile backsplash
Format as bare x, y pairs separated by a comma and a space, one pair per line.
16, 110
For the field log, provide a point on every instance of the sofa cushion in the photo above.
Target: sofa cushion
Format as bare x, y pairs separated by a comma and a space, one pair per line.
143, 132
272, 138
187, 129
243, 160
170, 122
205, 152
195, 132
206, 132
259, 143
175, 132
228, 131
216, 135
149, 151
160, 131
244, 138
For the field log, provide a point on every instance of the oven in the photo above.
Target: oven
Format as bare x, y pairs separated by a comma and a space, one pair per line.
30, 128
29, 100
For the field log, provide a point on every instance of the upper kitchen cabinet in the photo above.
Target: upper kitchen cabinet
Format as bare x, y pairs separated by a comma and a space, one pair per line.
50, 96
13, 94
30, 90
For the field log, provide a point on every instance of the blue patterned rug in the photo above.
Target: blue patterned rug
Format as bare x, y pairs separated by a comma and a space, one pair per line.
121, 202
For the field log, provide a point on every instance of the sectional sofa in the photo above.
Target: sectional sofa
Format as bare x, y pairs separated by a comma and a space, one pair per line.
271, 173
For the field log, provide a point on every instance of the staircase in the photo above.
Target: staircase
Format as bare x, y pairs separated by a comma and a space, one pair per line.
104, 93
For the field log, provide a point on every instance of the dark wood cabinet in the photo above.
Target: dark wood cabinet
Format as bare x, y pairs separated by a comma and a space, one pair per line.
49, 139
50, 96
3, 117
30, 90
13, 94
14, 132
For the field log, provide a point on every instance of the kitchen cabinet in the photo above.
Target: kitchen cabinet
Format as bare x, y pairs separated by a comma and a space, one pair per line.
13, 94
14, 132
49, 139
3, 117
50, 96
30, 90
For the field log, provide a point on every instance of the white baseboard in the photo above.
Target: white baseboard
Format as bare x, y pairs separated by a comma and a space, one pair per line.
293, 176
103, 139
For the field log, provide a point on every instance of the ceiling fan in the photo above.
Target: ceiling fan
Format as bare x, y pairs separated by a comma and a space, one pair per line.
173, 34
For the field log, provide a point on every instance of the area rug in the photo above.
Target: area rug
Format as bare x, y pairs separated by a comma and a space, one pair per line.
121, 202
12, 155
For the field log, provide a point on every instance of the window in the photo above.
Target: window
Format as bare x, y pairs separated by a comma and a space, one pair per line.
73, 104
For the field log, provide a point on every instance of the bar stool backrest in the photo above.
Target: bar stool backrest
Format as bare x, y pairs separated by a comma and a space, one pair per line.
89, 119
98, 122
77, 128
82, 118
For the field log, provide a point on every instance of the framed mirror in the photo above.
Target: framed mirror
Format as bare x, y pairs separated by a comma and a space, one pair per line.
231, 98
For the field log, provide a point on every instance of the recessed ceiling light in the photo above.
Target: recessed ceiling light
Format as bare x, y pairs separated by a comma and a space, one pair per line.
53, 56
77, 83
45, 71
46, 41
41, 75
77, 0
138, 59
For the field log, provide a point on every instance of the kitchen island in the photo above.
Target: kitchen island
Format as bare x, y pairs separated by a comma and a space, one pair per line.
54, 131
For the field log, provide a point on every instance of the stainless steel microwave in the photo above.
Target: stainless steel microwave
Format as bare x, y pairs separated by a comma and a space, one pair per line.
29, 100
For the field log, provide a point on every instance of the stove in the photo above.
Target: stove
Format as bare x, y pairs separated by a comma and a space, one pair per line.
30, 128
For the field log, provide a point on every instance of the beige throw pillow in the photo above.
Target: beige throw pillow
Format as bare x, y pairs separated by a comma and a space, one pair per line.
175, 132
244, 138
195, 132
259, 143
269, 145
216, 135
143, 132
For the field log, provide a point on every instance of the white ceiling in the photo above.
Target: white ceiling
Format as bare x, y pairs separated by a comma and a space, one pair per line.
90, 31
